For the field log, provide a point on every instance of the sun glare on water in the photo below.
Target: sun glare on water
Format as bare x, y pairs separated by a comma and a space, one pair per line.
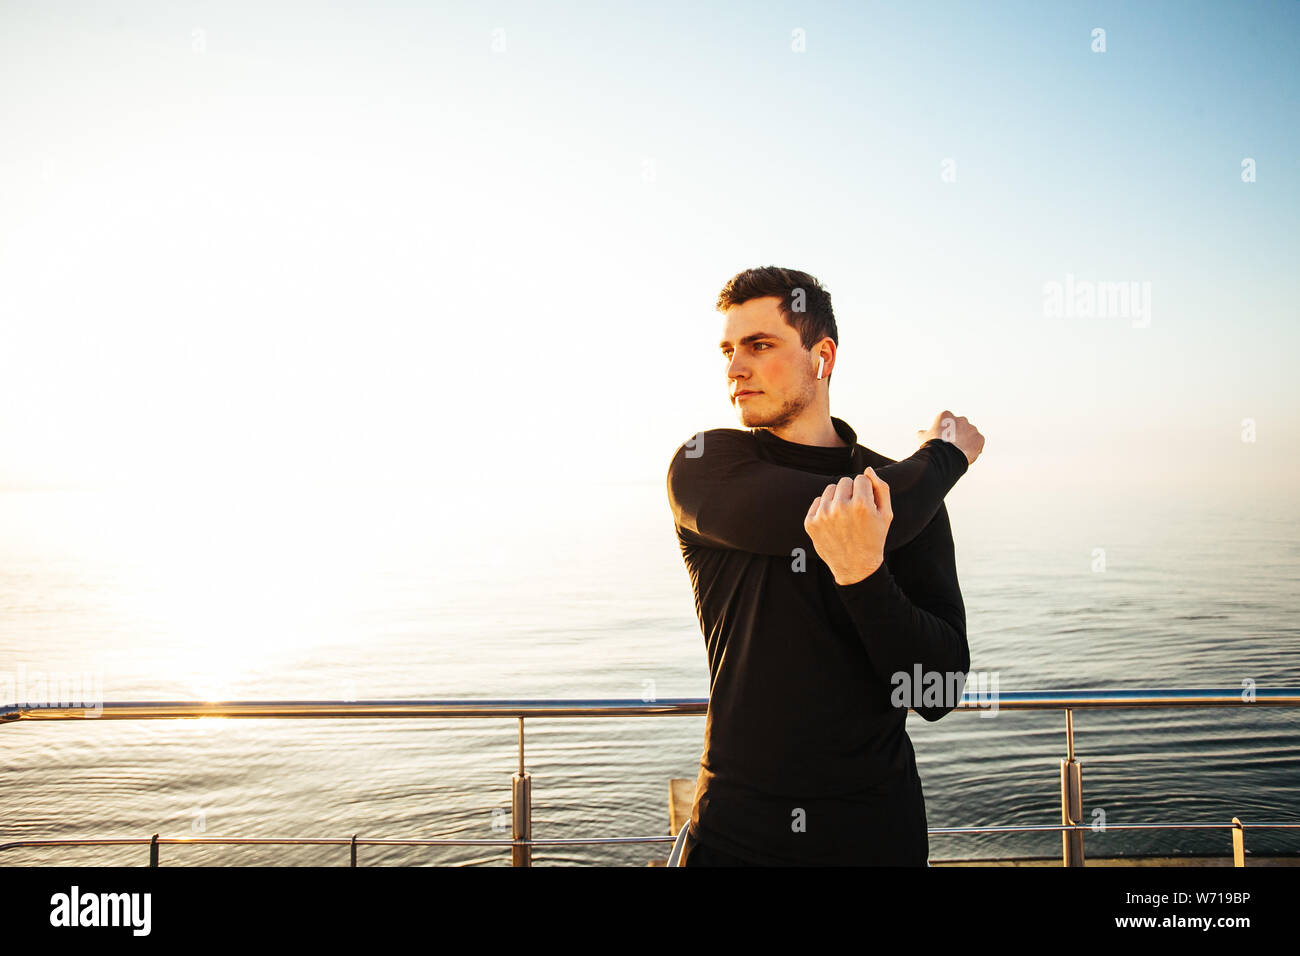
240, 583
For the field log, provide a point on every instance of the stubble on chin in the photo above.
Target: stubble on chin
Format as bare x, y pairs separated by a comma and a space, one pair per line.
787, 413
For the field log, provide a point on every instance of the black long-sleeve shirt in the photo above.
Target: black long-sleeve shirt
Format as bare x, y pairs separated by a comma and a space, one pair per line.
806, 759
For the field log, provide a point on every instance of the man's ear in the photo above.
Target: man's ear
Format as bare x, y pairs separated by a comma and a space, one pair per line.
825, 358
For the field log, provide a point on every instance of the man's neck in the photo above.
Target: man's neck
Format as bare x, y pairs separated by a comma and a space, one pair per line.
810, 430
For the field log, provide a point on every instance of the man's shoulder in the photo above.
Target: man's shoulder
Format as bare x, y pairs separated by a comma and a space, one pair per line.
724, 434
731, 440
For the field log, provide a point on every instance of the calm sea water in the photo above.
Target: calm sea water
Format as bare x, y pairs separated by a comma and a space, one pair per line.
480, 592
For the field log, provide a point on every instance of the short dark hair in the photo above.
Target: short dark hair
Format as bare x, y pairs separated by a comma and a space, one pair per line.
814, 322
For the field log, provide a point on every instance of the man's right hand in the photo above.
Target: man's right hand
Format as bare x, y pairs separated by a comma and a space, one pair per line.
957, 430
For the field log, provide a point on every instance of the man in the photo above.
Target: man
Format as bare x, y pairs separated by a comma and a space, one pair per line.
825, 582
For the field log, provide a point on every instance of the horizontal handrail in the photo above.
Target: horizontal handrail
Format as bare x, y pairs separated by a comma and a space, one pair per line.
587, 841
576, 841
607, 707
521, 841
330, 841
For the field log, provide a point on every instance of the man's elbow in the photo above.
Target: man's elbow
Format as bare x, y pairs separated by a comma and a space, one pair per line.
952, 679
931, 714
949, 697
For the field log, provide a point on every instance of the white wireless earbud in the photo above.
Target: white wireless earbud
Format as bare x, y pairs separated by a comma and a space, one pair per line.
821, 364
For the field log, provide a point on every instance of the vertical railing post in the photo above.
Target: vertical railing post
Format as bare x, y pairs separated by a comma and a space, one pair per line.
153, 851
1071, 799
1238, 843
521, 809
354, 850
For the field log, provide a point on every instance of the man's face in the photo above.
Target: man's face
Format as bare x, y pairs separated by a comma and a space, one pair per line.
764, 357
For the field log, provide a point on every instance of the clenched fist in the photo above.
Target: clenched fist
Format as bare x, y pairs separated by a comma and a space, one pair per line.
957, 430
848, 524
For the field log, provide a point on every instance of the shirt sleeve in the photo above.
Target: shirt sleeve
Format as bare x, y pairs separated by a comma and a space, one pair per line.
725, 496
909, 612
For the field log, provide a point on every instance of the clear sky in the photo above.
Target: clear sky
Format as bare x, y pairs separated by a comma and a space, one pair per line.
411, 241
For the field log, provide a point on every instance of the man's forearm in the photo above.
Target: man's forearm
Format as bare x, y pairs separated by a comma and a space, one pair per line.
729, 498
910, 614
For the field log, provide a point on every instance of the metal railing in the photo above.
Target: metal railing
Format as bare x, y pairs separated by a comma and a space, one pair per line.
521, 841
